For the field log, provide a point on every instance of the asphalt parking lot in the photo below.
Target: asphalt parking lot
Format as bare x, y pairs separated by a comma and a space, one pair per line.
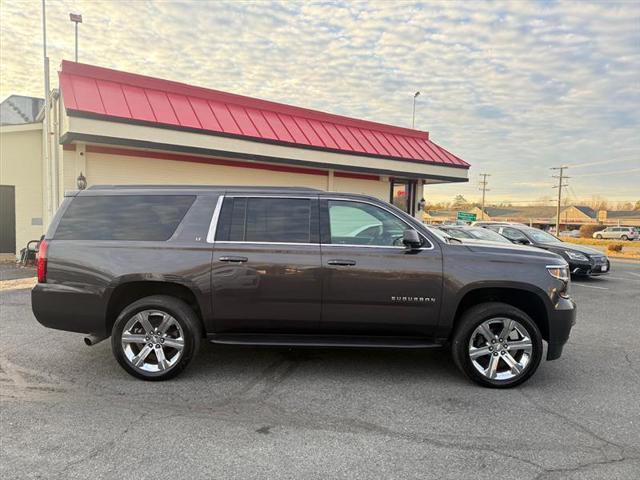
69, 411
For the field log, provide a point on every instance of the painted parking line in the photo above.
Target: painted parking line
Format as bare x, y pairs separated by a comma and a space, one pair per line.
589, 286
635, 274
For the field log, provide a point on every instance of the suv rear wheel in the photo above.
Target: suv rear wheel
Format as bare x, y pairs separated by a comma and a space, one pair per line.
156, 337
497, 345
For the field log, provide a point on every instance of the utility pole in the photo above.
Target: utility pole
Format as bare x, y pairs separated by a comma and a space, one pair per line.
484, 189
560, 185
413, 121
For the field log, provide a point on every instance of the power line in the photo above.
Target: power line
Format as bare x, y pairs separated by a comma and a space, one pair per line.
484, 189
560, 178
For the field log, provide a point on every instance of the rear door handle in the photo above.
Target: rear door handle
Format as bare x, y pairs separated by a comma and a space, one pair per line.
344, 263
233, 259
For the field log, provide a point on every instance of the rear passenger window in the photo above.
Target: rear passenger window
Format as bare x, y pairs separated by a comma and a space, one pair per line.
123, 217
281, 220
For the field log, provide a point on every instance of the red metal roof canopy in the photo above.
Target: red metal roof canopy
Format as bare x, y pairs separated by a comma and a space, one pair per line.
97, 91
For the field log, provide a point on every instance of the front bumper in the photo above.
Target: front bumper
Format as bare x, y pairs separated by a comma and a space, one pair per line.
591, 268
563, 318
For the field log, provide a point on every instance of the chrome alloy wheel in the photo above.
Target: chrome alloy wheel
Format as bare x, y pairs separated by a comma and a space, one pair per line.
152, 341
500, 348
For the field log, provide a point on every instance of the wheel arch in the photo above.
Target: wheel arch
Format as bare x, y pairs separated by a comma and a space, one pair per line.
531, 301
132, 289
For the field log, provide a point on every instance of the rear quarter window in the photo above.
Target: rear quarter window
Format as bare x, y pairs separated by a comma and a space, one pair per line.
123, 217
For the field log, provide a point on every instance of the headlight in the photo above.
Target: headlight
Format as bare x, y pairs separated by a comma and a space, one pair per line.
576, 256
561, 272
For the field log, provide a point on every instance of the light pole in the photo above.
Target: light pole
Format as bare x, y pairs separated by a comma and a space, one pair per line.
76, 18
562, 177
413, 121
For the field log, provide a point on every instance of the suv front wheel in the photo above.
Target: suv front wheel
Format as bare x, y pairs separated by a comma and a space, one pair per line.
497, 345
156, 337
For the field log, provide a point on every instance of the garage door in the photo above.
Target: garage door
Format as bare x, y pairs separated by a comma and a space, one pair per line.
7, 219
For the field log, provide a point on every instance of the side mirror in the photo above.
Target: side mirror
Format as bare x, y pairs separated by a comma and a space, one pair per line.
523, 241
411, 239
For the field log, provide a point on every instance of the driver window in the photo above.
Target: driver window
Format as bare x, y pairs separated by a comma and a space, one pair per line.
355, 223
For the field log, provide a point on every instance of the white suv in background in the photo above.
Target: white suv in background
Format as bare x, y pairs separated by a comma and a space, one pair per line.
617, 233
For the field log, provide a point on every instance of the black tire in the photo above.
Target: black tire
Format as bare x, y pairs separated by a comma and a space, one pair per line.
599, 237
624, 237
468, 323
184, 316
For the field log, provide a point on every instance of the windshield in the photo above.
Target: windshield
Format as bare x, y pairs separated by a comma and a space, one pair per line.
458, 233
541, 236
486, 234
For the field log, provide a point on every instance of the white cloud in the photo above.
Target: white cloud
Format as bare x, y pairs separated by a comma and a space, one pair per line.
512, 87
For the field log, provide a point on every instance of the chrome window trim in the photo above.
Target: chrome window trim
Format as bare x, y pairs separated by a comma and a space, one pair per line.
431, 245
213, 226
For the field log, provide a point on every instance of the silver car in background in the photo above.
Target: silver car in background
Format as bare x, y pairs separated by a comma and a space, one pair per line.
617, 233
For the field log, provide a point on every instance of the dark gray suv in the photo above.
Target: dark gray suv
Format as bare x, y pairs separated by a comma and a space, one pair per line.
159, 269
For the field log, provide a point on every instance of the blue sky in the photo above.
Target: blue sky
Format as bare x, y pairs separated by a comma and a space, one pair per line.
512, 87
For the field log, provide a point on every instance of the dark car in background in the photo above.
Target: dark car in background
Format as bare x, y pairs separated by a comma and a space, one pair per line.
582, 260
473, 234
160, 269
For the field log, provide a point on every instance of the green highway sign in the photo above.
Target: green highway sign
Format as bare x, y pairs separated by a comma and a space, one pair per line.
466, 217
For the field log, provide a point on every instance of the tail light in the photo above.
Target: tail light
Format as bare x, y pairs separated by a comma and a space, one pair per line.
42, 261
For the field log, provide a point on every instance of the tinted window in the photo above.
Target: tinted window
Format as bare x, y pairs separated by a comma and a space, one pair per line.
355, 223
270, 220
127, 217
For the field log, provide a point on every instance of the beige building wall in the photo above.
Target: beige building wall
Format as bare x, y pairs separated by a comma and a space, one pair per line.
103, 168
21, 166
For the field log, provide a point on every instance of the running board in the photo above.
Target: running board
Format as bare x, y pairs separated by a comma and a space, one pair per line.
322, 341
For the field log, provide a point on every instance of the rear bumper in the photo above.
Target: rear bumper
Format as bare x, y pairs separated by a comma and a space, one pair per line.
67, 308
563, 318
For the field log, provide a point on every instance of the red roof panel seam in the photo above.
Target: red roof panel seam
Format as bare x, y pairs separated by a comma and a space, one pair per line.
316, 132
327, 132
397, 145
193, 110
232, 118
275, 134
301, 129
365, 139
415, 144
244, 109
124, 97
341, 136
285, 127
362, 149
380, 146
458, 161
104, 109
361, 132
175, 114
144, 90
330, 136
393, 152
430, 154
344, 136
441, 153
213, 114
416, 154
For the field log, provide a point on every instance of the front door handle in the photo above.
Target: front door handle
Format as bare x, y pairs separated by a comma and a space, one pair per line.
344, 263
233, 259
